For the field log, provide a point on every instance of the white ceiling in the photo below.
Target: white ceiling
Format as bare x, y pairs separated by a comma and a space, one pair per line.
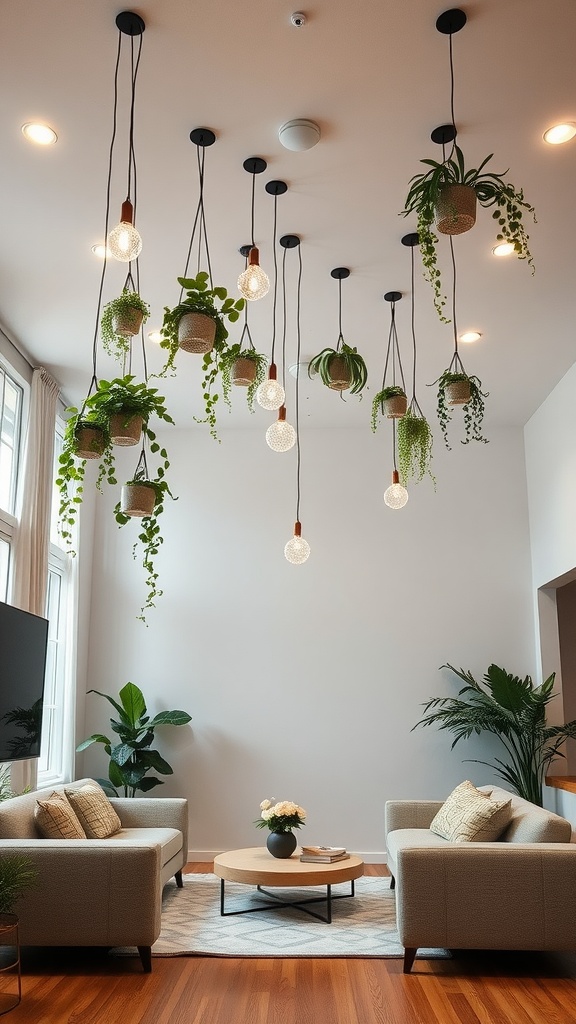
375, 76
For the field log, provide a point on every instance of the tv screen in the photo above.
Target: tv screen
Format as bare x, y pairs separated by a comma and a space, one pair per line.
23, 645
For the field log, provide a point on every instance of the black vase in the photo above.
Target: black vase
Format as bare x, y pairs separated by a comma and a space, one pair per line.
281, 844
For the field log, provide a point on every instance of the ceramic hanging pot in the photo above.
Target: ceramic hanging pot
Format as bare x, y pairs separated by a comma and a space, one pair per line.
281, 844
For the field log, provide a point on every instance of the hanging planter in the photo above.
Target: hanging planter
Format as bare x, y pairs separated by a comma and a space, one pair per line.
138, 498
121, 320
458, 391
242, 366
243, 371
453, 385
391, 402
340, 369
456, 209
125, 428
89, 440
196, 333
415, 442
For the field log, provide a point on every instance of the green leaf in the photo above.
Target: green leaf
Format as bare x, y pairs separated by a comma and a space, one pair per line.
97, 737
171, 718
133, 702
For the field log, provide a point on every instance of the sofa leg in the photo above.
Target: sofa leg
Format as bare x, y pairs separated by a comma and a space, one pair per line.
409, 954
392, 882
178, 877
146, 958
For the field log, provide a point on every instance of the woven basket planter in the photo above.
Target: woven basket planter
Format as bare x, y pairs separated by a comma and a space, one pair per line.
456, 209
128, 323
395, 407
458, 393
196, 333
125, 428
339, 373
137, 500
244, 372
90, 442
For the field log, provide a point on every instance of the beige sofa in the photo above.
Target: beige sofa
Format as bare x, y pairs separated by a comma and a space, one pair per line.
517, 893
98, 892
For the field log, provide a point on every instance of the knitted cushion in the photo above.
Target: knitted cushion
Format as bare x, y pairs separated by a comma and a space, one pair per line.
55, 818
470, 816
94, 810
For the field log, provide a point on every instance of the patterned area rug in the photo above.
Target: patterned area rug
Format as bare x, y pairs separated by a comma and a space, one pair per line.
363, 926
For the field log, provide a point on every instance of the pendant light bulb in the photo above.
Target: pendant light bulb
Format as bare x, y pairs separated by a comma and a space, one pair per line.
396, 495
124, 242
270, 394
281, 436
297, 550
253, 283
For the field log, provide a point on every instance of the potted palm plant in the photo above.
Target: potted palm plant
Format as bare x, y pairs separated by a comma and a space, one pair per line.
415, 440
512, 709
446, 195
121, 319
340, 368
390, 402
456, 387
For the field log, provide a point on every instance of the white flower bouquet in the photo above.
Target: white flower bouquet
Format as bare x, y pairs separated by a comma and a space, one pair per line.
280, 817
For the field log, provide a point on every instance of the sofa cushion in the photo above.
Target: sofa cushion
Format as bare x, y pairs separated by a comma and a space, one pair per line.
94, 811
55, 818
468, 815
168, 839
529, 823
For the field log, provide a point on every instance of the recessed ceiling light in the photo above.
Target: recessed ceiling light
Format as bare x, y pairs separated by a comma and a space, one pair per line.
100, 251
503, 249
155, 336
470, 336
42, 134
559, 133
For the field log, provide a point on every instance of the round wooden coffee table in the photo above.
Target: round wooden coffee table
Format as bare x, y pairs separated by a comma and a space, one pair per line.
255, 866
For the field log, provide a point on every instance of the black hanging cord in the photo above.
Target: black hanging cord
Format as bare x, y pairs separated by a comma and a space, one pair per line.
274, 231
199, 218
456, 362
252, 208
246, 329
451, 100
394, 444
340, 335
284, 319
297, 404
394, 350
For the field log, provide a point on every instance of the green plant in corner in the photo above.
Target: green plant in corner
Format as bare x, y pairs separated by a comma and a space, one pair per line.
490, 190
121, 319
514, 710
131, 758
415, 440
340, 368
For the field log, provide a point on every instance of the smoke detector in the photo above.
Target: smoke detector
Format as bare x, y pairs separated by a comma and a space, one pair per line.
299, 134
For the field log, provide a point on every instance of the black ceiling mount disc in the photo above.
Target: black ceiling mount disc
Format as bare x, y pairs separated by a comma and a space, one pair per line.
451, 21
412, 239
244, 250
276, 188
254, 165
202, 137
443, 133
392, 296
290, 241
129, 23
340, 273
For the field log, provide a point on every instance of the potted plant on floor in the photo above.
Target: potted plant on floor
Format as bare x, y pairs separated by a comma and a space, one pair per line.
122, 318
456, 387
514, 710
390, 402
131, 756
340, 368
446, 194
415, 440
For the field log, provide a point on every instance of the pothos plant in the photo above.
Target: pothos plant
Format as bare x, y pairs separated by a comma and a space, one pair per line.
219, 306
229, 357
473, 409
415, 440
352, 362
491, 191
118, 319
394, 391
150, 537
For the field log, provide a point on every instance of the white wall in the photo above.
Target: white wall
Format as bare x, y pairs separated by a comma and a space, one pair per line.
304, 681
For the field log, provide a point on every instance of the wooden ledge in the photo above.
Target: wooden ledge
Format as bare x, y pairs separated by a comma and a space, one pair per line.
567, 782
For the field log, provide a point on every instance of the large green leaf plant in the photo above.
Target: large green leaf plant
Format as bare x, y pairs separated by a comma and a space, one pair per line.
131, 758
512, 709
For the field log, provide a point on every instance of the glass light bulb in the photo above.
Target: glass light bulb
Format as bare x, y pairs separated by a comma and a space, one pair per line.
281, 436
124, 242
253, 283
270, 395
297, 550
395, 496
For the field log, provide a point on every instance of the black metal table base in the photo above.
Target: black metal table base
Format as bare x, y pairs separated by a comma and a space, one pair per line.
277, 902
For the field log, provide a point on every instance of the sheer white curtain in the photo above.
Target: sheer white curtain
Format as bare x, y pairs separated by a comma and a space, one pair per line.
33, 536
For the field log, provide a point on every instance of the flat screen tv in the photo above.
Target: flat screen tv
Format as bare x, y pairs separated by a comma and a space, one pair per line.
23, 646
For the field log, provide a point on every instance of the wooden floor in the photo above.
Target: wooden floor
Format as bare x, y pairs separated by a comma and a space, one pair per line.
88, 987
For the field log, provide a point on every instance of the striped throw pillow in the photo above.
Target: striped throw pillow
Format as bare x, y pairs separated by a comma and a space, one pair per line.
55, 818
94, 811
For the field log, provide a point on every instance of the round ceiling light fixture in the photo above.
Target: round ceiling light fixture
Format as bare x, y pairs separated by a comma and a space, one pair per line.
560, 133
299, 134
155, 336
503, 249
41, 134
469, 336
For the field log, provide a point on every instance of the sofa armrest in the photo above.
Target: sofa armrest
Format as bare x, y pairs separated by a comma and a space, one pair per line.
487, 896
150, 812
89, 892
410, 813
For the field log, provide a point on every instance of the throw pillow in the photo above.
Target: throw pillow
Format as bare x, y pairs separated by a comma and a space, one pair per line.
55, 818
471, 816
94, 810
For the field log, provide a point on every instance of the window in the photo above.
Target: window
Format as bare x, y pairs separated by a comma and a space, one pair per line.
4, 566
10, 422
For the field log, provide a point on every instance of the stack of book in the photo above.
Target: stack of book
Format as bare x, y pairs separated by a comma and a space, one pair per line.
323, 854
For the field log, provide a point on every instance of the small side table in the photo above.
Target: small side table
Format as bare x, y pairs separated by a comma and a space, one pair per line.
10, 974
